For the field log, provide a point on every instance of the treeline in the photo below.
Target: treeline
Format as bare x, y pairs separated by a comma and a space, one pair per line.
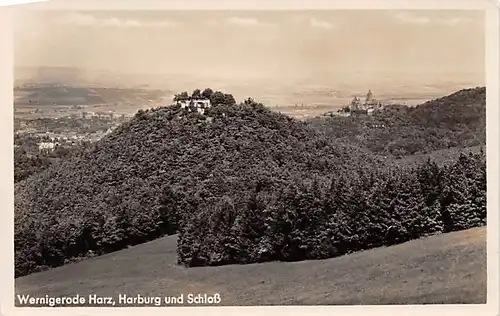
240, 184
216, 98
457, 120
330, 215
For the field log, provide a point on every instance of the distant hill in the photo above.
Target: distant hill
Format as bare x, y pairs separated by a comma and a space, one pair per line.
456, 120
62, 95
57, 95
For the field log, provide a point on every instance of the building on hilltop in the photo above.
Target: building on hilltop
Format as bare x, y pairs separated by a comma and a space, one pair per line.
200, 104
368, 107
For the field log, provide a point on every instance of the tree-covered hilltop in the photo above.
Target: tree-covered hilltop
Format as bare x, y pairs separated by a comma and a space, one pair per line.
215, 97
456, 120
148, 176
445, 124
240, 184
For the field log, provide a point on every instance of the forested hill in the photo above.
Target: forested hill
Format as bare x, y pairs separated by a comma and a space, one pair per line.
243, 184
456, 120
140, 181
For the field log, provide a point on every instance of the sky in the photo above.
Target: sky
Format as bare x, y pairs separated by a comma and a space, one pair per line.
276, 46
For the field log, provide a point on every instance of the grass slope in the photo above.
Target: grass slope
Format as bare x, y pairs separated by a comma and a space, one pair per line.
444, 269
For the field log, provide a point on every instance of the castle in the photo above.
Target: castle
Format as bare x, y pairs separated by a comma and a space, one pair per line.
370, 104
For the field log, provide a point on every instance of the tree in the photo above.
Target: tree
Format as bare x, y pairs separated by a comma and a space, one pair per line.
181, 97
217, 98
229, 99
207, 93
196, 95
249, 101
430, 180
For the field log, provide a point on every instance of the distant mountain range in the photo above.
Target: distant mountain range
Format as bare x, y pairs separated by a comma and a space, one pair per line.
64, 95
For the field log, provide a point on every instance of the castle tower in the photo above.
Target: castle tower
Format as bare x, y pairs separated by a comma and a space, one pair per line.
355, 103
369, 96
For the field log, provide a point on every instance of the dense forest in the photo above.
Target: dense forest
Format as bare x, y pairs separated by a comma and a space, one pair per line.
26, 165
319, 217
239, 184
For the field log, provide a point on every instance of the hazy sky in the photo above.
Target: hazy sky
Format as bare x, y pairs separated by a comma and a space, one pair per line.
326, 45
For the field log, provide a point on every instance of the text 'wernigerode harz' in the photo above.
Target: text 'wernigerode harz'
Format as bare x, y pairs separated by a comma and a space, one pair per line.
119, 300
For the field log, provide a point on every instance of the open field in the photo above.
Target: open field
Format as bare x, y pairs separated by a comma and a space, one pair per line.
449, 269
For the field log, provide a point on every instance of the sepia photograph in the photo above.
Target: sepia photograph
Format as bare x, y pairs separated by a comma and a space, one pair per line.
180, 158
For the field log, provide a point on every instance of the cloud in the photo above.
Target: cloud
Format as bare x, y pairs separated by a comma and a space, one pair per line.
313, 22
80, 19
246, 22
410, 18
406, 17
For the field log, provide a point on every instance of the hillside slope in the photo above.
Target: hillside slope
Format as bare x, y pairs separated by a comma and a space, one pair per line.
444, 269
457, 120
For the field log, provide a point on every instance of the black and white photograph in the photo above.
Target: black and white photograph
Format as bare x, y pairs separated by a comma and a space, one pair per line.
237, 157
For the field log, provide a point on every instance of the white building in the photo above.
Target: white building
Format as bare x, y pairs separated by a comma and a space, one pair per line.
201, 105
46, 146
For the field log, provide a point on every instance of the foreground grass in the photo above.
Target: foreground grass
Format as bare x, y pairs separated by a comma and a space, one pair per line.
444, 269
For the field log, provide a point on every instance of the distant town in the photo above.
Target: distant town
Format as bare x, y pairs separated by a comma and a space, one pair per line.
58, 107
49, 133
